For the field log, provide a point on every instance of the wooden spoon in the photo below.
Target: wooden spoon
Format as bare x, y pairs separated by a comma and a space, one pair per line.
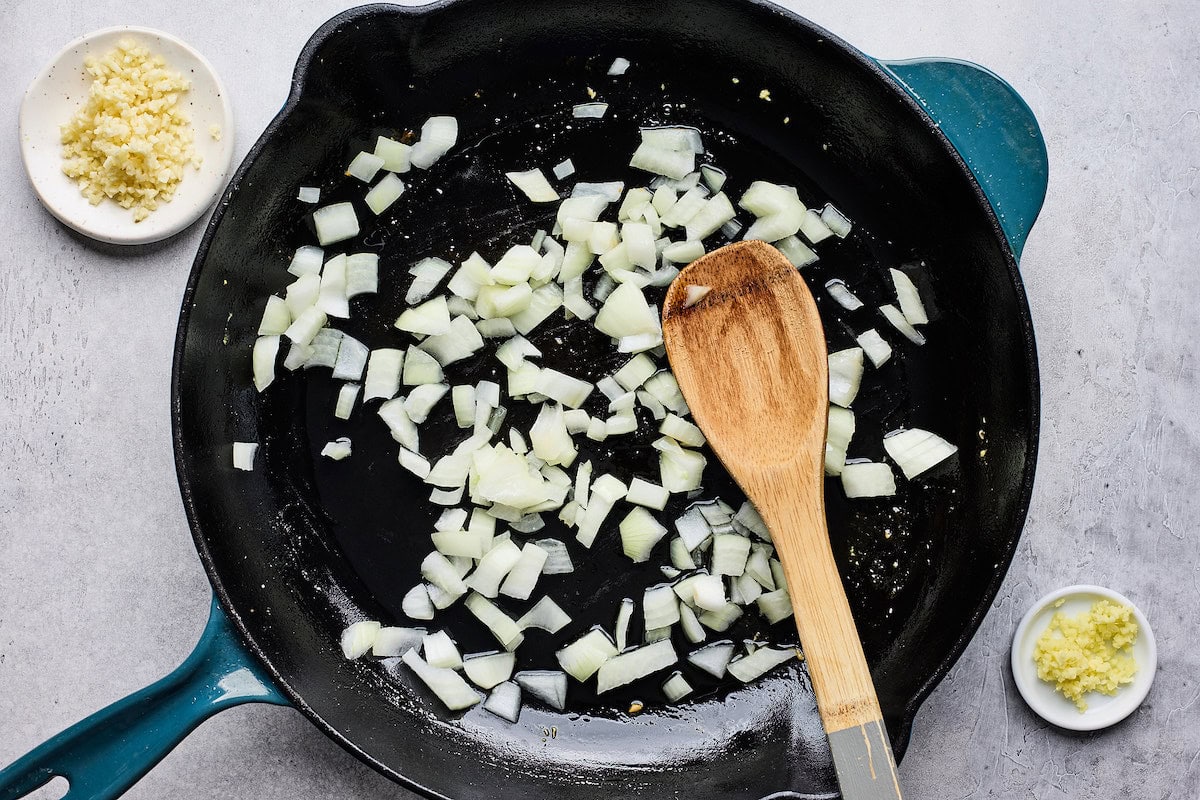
750, 358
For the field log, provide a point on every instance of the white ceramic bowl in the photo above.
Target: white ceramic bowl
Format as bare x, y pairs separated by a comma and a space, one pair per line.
62, 87
1103, 710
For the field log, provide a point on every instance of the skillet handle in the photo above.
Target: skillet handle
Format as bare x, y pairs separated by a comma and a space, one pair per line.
105, 754
993, 130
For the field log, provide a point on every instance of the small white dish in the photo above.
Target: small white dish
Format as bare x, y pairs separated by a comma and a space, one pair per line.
1103, 710
62, 88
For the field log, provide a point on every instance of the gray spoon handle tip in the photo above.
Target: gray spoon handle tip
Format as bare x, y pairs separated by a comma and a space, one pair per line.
862, 756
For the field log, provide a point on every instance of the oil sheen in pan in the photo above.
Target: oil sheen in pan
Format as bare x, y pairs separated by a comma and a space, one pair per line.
380, 514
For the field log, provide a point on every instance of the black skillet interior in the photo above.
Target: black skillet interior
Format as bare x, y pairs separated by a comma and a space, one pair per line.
302, 545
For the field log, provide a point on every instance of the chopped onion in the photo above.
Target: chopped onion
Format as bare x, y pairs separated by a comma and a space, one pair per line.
877, 350
587, 654
395, 154
549, 686
460, 543
431, 318
502, 626
713, 658
721, 620
915, 451
416, 603
618, 67
243, 455
813, 228
758, 663
523, 576
896, 317
836, 221
534, 184
325, 346
652, 635
562, 388
758, 566
749, 518
337, 449
549, 437
383, 374
309, 194
681, 470
606, 491
558, 561
634, 664
381, 196
844, 297
640, 531
266, 350
414, 462
644, 493
681, 558
709, 592
909, 298
837, 439
335, 223
307, 260
364, 166
438, 570
589, 110
401, 426
347, 395
610, 190
392, 642
359, 638
362, 274
776, 605
564, 169
351, 359
493, 567
460, 341
545, 614
427, 274
438, 135
682, 431
487, 670
867, 479
301, 294
663, 386
422, 399
845, 375
690, 624
796, 251
692, 528
440, 651
660, 607
663, 160
452, 519
306, 326
624, 615
729, 554
715, 212
676, 687
447, 684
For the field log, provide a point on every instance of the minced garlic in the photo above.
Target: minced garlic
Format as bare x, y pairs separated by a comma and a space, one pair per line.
1090, 652
131, 141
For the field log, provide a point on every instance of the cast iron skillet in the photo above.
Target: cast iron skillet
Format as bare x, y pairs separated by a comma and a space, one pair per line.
300, 547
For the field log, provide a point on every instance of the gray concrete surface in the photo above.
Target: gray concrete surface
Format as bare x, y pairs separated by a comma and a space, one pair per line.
100, 589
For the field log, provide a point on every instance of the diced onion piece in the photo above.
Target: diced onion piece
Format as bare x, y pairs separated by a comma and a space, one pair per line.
359, 638
713, 658
534, 184
493, 567
544, 301
605, 492
634, 372
309, 194
488, 670
383, 374
302, 294
662, 160
501, 476
686, 207
682, 431
307, 260
440, 651
351, 359
498, 328
502, 626
564, 169
325, 346
447, 684
683, 252
758, 566
502, 300
867, 479
714, 178
402, 428
416, 603
338, 449
460, 544
758, 663
430, 318
634, 664
513, 352
243, 455
587, 654
347, 395
364, 166
583, 477
729, 554
463, 400
660, 607
896, 317
690, 624
836, 221
461, 341
674, 137
618, 66
837, 439
681, 558
709, 592
695, 293
381, 196
549, 437
438, 135
640, 531
422, 399
624, 615
395, 154
715, 212
681, 470
392, 642
626, 313
305, 327
266, 349
427, 274
692, 528
523, 576
844, 297
721, 620
549, 686
845, 375
796, 251
414, 463
589, 110
335, 223
609, 190
545, 614
909, 298
775, 606
436, 569
663, 386
558, 561
876, 349
915, 451
748, 517
452, 519
676, 687
644, 493
813, 228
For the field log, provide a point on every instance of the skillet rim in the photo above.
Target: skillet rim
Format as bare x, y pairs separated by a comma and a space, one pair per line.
305, 61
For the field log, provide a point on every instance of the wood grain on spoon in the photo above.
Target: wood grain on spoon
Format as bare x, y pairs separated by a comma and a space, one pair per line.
751, 360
